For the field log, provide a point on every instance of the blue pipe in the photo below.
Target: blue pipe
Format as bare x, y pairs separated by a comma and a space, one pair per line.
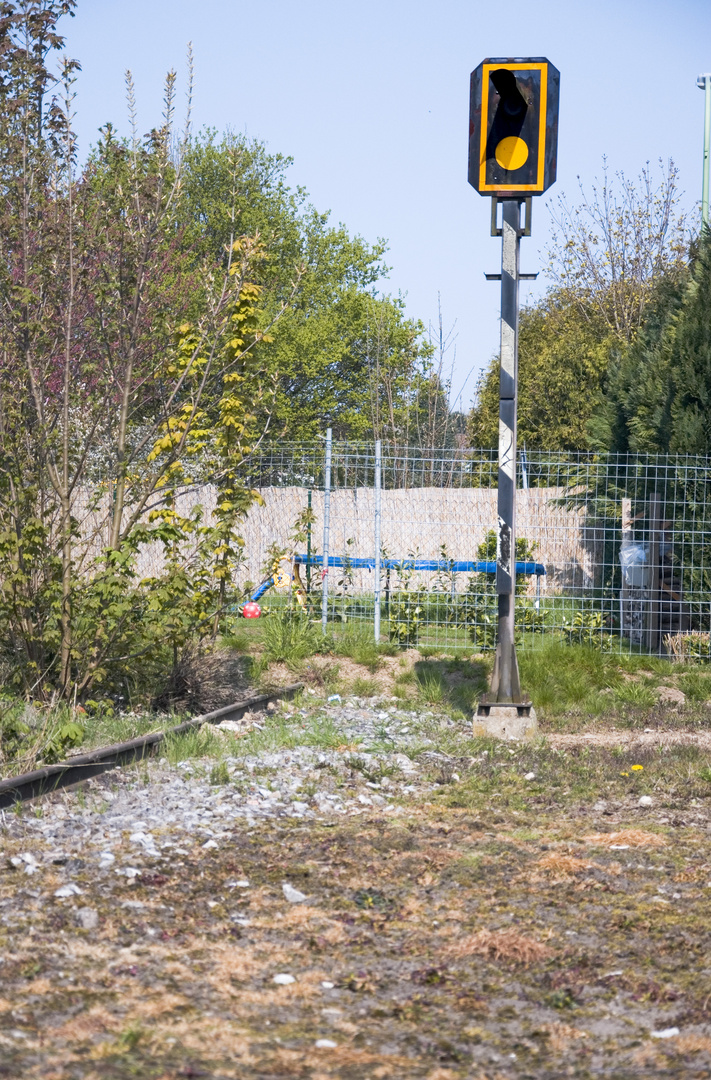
482, 567
421, 564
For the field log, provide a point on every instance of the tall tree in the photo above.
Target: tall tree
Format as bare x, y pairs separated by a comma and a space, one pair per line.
608, 251
659, 395
346, 356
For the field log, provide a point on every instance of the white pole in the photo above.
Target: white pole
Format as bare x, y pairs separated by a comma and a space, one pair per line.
704, 83
326, 527
505, 681
376, 589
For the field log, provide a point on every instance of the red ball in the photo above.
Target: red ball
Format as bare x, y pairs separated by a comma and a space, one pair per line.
251, 610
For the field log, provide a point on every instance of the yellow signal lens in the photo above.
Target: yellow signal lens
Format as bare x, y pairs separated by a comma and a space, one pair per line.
511, 153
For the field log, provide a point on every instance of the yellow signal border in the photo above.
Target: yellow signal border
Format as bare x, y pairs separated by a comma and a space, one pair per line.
543, 107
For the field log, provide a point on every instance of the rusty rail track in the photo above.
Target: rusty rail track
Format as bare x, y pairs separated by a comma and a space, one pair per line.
50, 778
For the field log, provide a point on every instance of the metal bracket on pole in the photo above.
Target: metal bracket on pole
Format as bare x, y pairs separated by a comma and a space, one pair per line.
525, 231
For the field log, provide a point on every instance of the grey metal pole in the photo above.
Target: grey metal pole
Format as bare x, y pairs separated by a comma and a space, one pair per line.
655, 518
376, 589
704, 83
326, 528
505, 683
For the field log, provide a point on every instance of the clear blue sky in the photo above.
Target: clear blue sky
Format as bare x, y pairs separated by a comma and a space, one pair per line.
371, 101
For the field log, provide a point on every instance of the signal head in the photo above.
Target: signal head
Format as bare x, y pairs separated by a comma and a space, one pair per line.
513, 127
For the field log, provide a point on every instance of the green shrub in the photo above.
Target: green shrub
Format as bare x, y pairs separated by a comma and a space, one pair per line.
61, 739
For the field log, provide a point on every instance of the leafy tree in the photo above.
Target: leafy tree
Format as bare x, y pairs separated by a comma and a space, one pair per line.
344, 356
124, 361
608, 252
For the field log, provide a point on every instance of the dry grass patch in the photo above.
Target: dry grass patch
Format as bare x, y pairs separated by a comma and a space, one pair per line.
162, 1004
628, 837
561, 1036
35, 988
508, 945
564, 866
303, 917
201, 1035
343, 1056
232, 964
692, 1044
95, 1021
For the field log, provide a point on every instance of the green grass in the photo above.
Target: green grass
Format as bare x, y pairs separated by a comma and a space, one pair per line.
637, 694
104, 728
375, 771
365, 687
696, 685
358, 644
431, 688
291, 637
33, 735
220, 774
240, 640
494, 776
580, 681
281, 732
196, 743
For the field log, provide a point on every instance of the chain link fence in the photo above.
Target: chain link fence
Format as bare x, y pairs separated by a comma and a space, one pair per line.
613, 551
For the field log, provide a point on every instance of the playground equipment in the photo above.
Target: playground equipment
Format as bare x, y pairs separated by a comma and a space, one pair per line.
288, 573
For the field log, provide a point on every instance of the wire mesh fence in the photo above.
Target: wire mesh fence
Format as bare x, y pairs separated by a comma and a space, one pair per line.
612, 551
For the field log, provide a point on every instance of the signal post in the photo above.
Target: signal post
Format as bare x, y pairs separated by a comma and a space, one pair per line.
513, 136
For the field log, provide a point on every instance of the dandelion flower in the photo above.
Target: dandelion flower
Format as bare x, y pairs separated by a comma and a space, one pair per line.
624, 774
637, 768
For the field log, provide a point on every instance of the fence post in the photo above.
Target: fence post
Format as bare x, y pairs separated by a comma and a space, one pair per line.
326, 526
625, 604
308, 548
655, 518
376, 588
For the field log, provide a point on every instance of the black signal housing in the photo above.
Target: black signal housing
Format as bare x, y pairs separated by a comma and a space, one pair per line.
513, 126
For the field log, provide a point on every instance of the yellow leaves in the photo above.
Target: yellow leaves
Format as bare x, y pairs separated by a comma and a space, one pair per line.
212, 382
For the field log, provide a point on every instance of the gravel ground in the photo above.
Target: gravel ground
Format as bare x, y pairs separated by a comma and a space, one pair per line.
338, 910
165, 806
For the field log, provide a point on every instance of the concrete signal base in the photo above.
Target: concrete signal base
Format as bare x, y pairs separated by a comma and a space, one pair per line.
505, 721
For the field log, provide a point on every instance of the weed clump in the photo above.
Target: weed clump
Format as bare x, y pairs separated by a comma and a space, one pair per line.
220, 774
292, 637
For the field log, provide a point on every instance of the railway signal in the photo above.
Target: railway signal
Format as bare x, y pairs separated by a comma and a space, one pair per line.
513, 127
513, 138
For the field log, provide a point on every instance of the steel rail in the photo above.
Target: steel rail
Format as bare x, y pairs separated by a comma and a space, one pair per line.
43, 781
